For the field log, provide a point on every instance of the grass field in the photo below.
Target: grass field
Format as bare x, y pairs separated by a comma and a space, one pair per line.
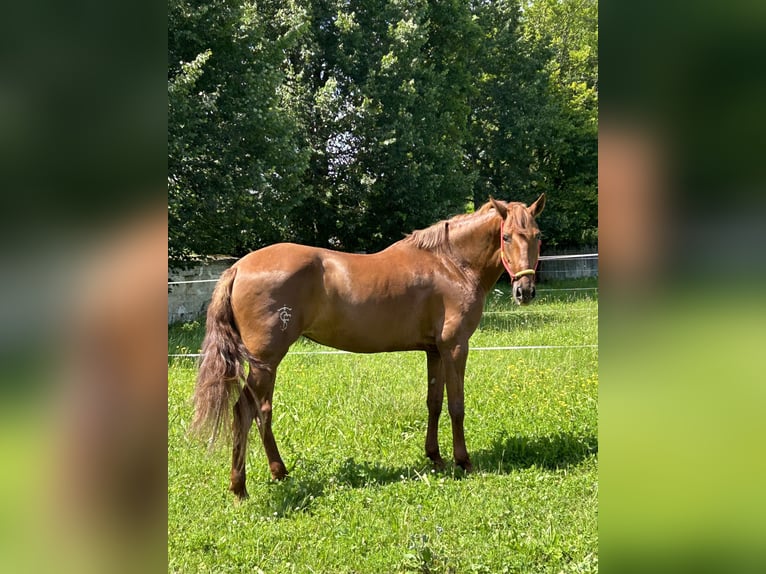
362, 497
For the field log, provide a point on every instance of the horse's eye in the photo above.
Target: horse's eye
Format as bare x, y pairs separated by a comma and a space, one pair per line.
537, 236
506, 237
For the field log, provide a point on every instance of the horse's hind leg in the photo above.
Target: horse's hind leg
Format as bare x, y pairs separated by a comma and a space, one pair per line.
244, 412
261, 382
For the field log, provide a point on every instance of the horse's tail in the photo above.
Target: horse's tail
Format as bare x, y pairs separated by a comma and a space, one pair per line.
221, 367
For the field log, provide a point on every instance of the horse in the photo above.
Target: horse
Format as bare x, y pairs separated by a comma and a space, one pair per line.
425, 292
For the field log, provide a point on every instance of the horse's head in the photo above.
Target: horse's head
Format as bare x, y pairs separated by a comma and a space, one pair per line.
519, 240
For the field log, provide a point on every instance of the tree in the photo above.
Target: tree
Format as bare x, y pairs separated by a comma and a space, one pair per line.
385, 93
569, 28
511, 122
347, 123
232, 149
534, 119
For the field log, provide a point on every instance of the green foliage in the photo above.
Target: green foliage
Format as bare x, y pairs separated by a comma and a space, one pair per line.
232, 149
347, 123
511, 119
569, 30
386, 108
362, 497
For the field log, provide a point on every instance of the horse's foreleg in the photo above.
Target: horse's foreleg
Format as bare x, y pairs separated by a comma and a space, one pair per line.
261, 381
454, 361
434, 402
244, 411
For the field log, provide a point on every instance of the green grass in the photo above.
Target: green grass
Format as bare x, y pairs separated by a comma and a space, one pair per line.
362, 497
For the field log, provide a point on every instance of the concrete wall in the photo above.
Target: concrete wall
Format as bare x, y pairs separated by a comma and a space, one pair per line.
189, 301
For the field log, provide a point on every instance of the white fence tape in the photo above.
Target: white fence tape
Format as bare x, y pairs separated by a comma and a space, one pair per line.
577, 256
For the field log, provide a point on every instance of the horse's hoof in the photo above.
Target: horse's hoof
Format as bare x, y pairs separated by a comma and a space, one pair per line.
237, 485
438, 463
465, 465
240, 493
278, 471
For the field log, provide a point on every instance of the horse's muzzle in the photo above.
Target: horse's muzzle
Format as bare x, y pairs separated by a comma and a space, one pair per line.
523, 290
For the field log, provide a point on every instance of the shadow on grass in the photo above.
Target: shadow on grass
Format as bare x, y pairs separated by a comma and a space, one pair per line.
506, 321
508, 453
309, 482
295, 494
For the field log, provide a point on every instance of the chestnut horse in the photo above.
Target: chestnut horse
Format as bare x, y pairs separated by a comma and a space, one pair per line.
425, 292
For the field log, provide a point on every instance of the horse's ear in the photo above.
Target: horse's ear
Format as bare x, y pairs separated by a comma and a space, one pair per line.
537, 207
501, 208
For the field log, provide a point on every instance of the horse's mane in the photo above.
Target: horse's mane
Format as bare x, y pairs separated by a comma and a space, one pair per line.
437, 235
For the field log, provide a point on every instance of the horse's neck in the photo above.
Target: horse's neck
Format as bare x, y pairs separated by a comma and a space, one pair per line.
477, 247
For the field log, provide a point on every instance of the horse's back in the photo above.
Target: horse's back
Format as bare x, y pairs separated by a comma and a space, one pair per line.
364, 303
288, 257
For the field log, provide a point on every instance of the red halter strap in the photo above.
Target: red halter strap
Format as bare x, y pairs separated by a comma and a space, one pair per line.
514, 276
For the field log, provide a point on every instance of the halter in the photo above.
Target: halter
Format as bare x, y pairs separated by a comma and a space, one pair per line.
514, 276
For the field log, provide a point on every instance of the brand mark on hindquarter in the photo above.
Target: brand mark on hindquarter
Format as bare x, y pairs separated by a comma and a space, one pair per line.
285, 315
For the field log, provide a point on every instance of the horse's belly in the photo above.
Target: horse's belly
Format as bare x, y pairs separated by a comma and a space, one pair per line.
366, 334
